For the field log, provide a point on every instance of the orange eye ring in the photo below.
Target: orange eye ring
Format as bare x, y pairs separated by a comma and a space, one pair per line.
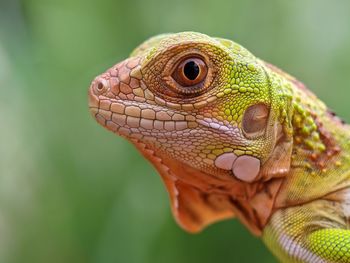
190, 72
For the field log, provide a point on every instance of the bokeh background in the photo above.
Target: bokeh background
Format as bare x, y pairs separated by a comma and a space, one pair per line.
72, 192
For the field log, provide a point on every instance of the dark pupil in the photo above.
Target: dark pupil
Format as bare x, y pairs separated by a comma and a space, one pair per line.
191, 70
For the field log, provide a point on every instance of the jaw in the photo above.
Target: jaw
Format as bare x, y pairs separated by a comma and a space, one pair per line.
186, 138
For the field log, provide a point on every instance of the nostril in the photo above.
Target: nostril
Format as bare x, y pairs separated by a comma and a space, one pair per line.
99, 86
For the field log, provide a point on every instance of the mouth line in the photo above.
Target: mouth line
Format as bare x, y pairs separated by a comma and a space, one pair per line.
127, 103
125, 116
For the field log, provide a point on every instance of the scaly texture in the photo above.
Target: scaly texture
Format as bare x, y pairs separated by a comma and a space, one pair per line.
233, 136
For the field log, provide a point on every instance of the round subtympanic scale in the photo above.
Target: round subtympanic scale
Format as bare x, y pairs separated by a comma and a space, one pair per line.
225, 161
246, 168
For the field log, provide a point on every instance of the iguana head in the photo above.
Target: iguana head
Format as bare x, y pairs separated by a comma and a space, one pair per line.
211, 117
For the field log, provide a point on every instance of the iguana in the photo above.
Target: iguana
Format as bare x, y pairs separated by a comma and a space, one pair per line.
234, 136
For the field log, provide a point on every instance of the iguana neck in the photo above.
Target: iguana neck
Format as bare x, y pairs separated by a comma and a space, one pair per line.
320, 155
318, 134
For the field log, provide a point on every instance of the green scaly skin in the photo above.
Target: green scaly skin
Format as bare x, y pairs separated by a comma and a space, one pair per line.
302, 149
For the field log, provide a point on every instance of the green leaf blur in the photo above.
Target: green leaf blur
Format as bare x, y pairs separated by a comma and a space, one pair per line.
72, 192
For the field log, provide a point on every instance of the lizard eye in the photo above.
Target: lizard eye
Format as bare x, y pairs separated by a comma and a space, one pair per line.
190, 72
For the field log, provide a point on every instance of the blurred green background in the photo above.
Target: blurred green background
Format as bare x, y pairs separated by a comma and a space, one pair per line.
72, 192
